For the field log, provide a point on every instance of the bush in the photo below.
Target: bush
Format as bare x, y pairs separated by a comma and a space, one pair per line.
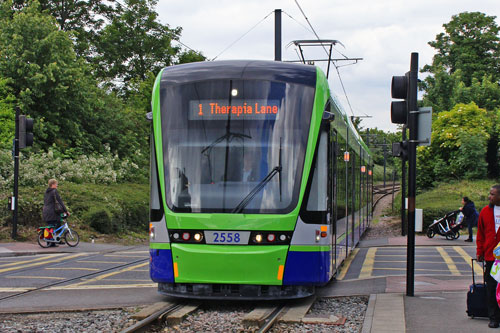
37, 169
105, 208
447, 197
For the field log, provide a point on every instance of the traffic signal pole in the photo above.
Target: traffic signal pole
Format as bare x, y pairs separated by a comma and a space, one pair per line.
412, 171
16, 176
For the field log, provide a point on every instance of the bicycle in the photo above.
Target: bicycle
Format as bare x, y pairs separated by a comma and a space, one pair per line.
47, 235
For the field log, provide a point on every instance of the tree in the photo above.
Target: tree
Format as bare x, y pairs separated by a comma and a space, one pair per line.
458, 146
135, 43
49, 82
467, 52
7, 114
84, 18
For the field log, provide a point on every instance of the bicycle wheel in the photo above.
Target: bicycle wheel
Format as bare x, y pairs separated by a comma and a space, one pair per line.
41, 240
430, 233
72, 239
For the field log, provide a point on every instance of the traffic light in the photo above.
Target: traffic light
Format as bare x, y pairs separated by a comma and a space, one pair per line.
25, 131
400, 149
405, 88
399, 109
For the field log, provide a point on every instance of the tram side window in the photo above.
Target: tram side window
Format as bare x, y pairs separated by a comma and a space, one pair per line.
155, 209
317, 197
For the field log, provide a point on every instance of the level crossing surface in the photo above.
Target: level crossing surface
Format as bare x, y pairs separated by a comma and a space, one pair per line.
63, 278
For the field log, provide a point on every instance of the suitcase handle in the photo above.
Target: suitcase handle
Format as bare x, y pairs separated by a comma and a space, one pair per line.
472, 265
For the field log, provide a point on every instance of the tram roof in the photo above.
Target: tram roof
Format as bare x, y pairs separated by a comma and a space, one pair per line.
240, 69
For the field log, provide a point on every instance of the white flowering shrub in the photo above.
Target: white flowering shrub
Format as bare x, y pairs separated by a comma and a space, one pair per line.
38, 168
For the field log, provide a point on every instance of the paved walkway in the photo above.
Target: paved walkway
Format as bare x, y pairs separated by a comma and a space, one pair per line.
438, 304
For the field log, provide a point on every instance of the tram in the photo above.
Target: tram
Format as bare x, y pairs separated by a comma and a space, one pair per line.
260, 185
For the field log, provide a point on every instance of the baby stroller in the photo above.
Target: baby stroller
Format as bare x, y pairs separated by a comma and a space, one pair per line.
448, 226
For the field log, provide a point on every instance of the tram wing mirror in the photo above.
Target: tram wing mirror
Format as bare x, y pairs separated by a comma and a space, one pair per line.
328, 117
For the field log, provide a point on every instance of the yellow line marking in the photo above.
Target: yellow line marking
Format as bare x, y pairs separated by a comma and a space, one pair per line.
122, 256
15, 290
103, 276
109, 286
347, 264
145, 251
102, 262
280, 272
39, 263
129, 280
367, 267
72, 268
404, 269
478, 270
416, 261
32, 260
34, 277
176, 270
449, 262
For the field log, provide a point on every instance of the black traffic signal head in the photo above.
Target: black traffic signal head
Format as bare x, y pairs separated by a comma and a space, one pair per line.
399, 109
25, 131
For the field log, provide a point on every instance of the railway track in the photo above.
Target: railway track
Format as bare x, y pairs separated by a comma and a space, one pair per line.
261, 322
317, 314
380, 191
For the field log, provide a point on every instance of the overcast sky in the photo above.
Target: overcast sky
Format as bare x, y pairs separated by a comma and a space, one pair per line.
382, 32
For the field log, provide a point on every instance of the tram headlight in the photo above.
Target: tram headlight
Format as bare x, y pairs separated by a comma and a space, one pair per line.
151, 232
186, 236
282, 238
258, 238
271, 238
176, 235
198, 237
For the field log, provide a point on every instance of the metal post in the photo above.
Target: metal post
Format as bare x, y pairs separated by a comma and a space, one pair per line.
412, 173
385, 158
277, 34
403, 188
16, 176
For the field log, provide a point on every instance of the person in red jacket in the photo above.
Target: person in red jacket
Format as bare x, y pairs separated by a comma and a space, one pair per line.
488, 236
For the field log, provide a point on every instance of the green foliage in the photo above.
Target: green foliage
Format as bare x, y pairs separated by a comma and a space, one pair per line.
446, 197
37, 169
7, 114
466, 67
458, 146
105, 208
135, 43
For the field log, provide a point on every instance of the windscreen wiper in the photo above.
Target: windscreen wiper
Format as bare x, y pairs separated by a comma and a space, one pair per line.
246, 200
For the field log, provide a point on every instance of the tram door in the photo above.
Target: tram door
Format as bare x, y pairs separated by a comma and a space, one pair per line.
332, 186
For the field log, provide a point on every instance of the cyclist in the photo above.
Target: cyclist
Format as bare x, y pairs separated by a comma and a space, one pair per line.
53, 206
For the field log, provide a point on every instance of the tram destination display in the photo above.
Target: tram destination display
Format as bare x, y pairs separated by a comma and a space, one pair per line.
237, 109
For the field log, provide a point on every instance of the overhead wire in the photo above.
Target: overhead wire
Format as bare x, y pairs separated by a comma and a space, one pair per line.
333, 62
246, 33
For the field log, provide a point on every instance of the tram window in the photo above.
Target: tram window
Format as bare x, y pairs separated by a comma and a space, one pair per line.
317, 196
155, 209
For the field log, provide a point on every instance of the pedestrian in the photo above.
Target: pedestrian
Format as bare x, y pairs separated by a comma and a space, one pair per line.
488, 236
471, 215
53, 206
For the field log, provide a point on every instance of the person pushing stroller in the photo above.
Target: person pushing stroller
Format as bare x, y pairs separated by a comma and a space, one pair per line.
471, 215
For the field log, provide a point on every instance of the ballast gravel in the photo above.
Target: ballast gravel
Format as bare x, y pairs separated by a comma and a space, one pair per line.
65, 322
214, 317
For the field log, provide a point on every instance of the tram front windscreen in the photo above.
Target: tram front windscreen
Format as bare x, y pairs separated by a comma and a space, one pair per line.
234, 146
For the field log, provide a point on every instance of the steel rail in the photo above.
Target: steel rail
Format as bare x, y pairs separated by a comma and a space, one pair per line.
140, 325
271, 319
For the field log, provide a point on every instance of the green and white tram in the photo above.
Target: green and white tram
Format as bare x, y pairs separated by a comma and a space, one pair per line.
260, 186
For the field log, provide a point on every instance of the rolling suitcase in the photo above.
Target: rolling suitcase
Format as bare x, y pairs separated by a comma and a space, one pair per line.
476, 297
